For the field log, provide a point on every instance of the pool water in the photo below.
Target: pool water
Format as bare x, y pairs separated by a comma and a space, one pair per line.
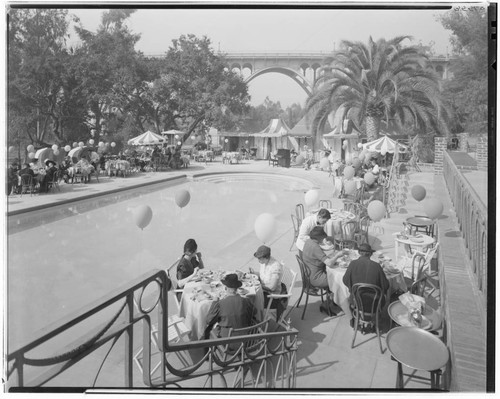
69, 256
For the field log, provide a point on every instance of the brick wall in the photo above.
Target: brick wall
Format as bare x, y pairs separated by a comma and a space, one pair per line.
439, 148
482, 153
463, 142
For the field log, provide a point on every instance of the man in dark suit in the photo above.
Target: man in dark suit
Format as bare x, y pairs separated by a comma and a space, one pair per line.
233, 311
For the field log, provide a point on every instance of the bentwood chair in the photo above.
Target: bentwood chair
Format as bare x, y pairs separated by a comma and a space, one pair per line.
27, 184
288, 279
54, 183
296, 229
367, 301
325, 204
300, 212
361, 233
307, 288
172, 275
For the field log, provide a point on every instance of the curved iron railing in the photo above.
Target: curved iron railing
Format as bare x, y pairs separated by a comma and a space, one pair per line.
54, 357
472, 218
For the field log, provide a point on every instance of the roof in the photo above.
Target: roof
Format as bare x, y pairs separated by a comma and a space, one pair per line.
301, 129
276, 128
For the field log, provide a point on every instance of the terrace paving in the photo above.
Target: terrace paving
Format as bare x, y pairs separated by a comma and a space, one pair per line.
325, 359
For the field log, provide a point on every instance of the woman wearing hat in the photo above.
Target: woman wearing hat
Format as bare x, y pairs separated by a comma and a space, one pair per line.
50, 170
232, 311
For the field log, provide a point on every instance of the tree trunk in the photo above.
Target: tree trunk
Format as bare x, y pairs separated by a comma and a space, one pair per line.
372, 127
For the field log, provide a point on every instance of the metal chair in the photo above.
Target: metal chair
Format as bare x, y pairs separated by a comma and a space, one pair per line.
296, 229
307, 288
231, 351
27, 184
325, 204
361, 233
289, 277
172, 275
300, 212
367, 301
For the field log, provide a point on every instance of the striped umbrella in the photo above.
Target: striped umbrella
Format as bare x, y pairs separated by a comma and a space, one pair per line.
148, 138
384, 144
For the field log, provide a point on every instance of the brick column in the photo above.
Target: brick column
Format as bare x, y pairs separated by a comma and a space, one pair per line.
463, 142
482, 153
439, 148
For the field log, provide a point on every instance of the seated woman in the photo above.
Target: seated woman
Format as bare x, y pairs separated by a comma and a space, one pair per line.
189, 264
50, 170
270, 275
232, 311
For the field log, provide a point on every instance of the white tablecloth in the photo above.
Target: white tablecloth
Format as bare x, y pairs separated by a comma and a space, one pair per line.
195, 312
417, 242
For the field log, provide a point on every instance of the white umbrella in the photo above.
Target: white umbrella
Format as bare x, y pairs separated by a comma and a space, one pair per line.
43, 154
148, 138
384, 144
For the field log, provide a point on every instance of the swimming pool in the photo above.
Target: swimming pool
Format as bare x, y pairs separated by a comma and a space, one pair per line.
65, 257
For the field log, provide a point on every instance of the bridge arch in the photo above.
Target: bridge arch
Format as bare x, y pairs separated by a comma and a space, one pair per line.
297, 77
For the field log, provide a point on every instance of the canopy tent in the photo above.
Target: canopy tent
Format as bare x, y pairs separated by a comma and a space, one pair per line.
43, 154
79, 152
148, 138
271, 138
385, 144
344, 133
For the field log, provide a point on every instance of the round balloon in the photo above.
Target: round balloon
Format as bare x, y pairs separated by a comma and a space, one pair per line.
324, 164
91, 141
433, 208
75, 144
360, 145
349, 172
265, 226
142, 216
369, 178
418, 192
81, 144
55, 147
182, 198
101, 144
12, 148
376, 210
30, 148
31, 155
67, 148
350, 187
299, 160
56, 152
113, 144
311, 198
356, 163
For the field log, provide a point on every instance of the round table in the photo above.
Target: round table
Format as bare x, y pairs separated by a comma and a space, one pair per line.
420, 241
417, 349
399, 314
422, 223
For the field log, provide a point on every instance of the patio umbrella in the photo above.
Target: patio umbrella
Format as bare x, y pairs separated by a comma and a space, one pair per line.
384, 144
78, 153
148, 138
43, 154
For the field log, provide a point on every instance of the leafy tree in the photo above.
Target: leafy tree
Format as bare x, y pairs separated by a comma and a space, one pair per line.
375, 82
467, 90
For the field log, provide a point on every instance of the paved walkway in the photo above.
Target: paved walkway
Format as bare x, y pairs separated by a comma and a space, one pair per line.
325, 358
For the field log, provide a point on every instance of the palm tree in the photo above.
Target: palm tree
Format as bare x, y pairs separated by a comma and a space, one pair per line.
381, 81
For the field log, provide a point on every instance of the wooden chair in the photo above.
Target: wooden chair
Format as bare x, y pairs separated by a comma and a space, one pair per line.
289, 277
300, 212
361, 233
27, 184
296, 228
54, 183
325, 204
307, 288
272, 160
367, 301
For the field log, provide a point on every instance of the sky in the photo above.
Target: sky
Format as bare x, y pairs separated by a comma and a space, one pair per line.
277, 30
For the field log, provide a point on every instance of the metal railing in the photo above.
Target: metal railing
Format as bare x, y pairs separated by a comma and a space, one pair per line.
472, 218
104, 344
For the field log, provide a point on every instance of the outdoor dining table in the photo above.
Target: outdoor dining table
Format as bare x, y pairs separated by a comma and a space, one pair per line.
431, 320
418, 242
419, 350
198, 295
112, 166
420, 222
231, 156
341, 292
333, 226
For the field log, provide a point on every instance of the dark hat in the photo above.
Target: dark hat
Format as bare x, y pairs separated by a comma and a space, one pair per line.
231, 281
263, 252
48, 161
365, 248
317, 233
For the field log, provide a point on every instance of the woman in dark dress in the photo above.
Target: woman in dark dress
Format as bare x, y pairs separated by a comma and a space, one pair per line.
189, 264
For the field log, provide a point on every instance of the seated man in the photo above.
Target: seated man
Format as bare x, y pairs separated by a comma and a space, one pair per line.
364, 270
232, 311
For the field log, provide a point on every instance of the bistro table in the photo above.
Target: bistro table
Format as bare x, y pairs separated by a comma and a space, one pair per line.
198, 295
422, 223
431, 320
419, 241
341, 292
419, 350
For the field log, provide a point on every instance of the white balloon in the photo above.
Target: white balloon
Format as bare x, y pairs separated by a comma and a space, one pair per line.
55, 147
81, 144
91, 142
67, 148
265, 226
101, 144
113, 144
311, 197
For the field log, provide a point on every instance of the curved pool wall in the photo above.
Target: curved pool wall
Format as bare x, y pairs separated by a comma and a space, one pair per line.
63, 257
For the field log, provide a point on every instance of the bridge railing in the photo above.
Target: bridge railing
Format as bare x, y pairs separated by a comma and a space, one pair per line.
95, 347
473, 220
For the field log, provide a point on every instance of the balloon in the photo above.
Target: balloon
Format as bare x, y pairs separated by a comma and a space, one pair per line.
349, 172
311, 198
101, 144
182, 198
55, 147
433, 208
299, 160
226, 141
81, 144
418, 192
376, 210
264, 227
31, 155
30, 148
113, 144
91, 141
356, 163
246, 141
344, 146
75, 144
369, 178
12, 148
176, 137
67, 148
142, 216
350, 187
360, 145
56, 152
324, 164
179, 143
344, 142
